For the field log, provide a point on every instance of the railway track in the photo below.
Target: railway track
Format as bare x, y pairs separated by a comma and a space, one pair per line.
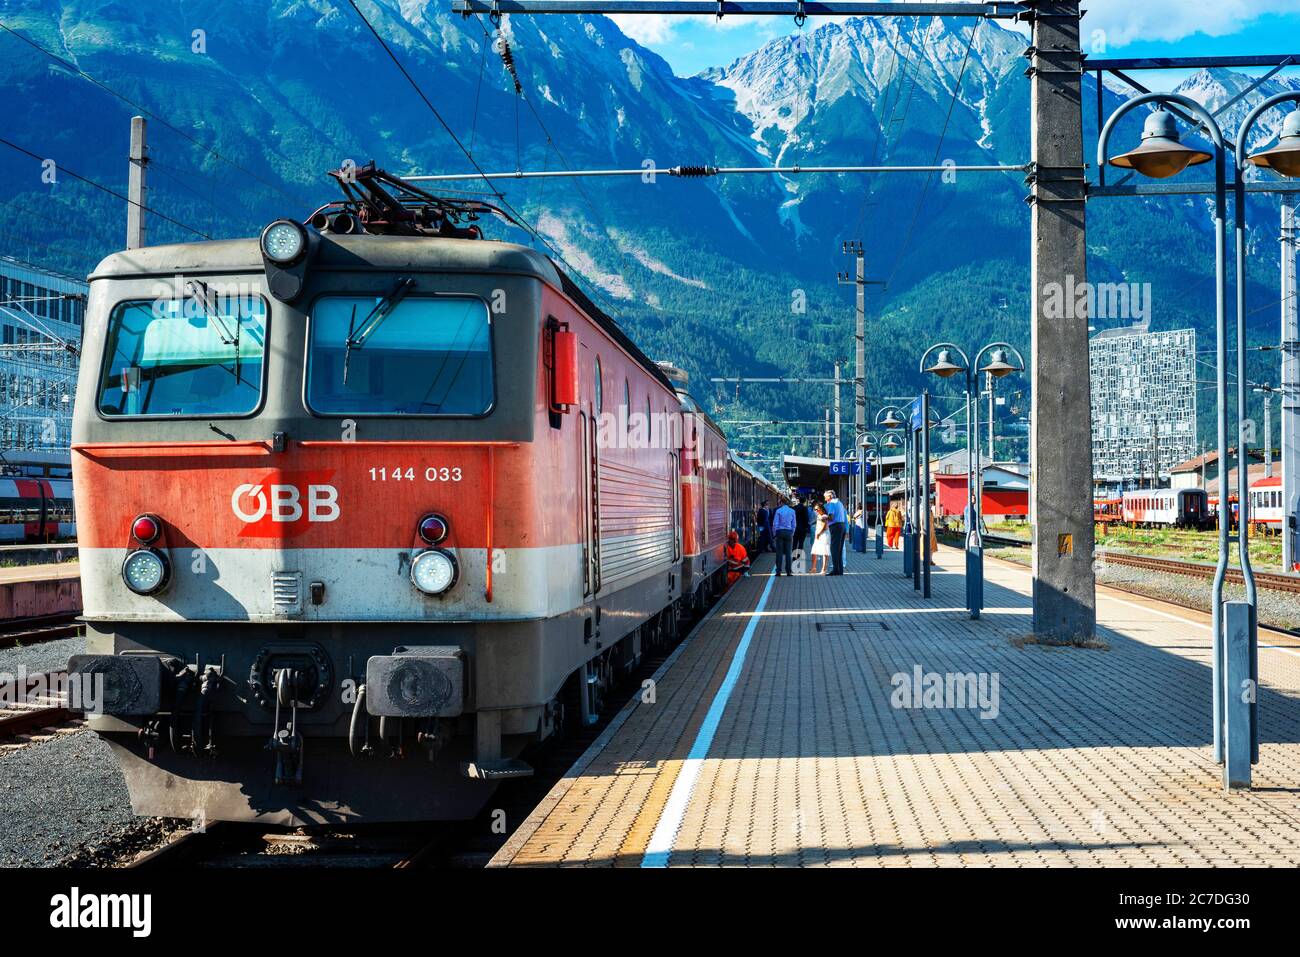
1270, 580
1174, 566
43, 710
31, 631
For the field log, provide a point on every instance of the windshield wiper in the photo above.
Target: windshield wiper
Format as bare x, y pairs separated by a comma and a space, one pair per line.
383, 309
202, 292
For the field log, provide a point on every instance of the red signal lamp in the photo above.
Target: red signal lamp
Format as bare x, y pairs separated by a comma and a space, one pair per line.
433, 529
145, 529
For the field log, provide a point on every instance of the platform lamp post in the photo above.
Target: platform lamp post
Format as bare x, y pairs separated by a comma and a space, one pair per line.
945, 368
878, 442
1284, 158
1160, 155
891, 418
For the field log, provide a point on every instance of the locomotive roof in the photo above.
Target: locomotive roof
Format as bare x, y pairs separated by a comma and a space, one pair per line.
340, 252
372, 252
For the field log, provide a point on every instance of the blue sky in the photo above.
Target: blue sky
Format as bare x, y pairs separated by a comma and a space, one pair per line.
1125, 28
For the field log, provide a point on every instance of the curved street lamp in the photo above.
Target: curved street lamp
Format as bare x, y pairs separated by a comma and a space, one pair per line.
877, 442
1165, 156
1284, 159
950, 361
893, 418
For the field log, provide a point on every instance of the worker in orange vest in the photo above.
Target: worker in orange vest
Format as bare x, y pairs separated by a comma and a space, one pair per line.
737, 559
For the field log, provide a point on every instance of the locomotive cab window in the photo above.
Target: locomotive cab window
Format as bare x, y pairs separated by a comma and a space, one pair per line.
184, 357
429, 356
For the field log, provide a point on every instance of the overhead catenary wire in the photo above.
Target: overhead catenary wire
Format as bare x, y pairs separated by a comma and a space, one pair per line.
148, 112
699, 171
501, 199
105, 189
938, 149
592, 208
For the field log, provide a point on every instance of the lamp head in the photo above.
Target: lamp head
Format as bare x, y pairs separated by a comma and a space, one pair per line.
1285, 156
1161, 154
998, 366
943, 366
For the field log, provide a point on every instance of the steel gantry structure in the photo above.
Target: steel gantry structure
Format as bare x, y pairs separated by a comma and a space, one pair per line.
1064, 587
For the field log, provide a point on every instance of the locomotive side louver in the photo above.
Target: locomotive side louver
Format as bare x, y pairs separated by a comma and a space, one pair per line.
286, 593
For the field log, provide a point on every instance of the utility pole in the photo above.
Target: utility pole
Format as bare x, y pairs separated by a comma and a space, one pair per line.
991, 380
835, 390
1065, 599
859, 280
1290, 382
826, 435
1268, 433
136, 185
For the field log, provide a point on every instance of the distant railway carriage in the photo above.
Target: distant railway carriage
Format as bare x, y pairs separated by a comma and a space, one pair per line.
1107, 510
1174, 508
36, 510
1266, 511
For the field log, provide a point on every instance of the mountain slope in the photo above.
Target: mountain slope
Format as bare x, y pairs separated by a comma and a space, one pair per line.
707, 273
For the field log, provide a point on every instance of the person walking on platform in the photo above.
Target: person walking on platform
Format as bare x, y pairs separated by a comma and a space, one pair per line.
893, 525
836, 522
764, 520
801, 525
783, 523
821, 546
737, 559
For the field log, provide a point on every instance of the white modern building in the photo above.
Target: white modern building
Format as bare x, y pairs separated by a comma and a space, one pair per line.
1143, 403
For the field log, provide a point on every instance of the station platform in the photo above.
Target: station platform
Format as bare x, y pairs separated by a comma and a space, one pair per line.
40, 591
777, 736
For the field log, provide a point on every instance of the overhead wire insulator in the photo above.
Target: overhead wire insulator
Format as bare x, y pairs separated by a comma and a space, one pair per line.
691, 171
501, 46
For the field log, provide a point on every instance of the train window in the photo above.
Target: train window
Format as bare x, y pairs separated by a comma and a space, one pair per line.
181, 357
425, 356
599, 389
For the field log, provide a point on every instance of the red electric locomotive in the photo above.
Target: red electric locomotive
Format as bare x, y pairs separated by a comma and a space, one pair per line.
367, 506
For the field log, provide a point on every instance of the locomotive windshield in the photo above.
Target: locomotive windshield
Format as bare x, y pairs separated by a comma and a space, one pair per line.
418, 356
199, 356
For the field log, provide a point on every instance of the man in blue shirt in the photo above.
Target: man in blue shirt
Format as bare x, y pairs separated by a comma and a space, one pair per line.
837, 522
783, 521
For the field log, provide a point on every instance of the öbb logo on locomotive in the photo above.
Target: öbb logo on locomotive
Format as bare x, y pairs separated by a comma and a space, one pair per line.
284, 503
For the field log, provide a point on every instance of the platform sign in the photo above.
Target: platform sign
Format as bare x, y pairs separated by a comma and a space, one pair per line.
916, 414
844, 468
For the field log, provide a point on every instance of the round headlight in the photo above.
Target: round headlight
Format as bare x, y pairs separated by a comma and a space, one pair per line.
145, 571
283, 241
434, 571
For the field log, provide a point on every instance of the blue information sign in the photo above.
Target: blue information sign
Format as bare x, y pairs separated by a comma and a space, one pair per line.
844, 468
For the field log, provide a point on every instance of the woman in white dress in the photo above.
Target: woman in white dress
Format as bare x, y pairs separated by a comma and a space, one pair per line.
821, 547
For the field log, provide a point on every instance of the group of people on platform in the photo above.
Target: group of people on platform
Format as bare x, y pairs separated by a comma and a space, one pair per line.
791, 526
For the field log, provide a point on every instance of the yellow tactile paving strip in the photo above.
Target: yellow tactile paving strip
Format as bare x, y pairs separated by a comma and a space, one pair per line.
1095, 757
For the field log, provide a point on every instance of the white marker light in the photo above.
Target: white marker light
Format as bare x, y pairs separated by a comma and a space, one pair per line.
283, 241
434, 571
145, 571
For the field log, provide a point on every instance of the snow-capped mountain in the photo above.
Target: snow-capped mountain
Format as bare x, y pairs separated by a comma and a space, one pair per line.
703, 271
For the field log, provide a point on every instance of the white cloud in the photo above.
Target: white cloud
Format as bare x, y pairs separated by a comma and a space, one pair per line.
646, 28
1124, 21
652, 28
